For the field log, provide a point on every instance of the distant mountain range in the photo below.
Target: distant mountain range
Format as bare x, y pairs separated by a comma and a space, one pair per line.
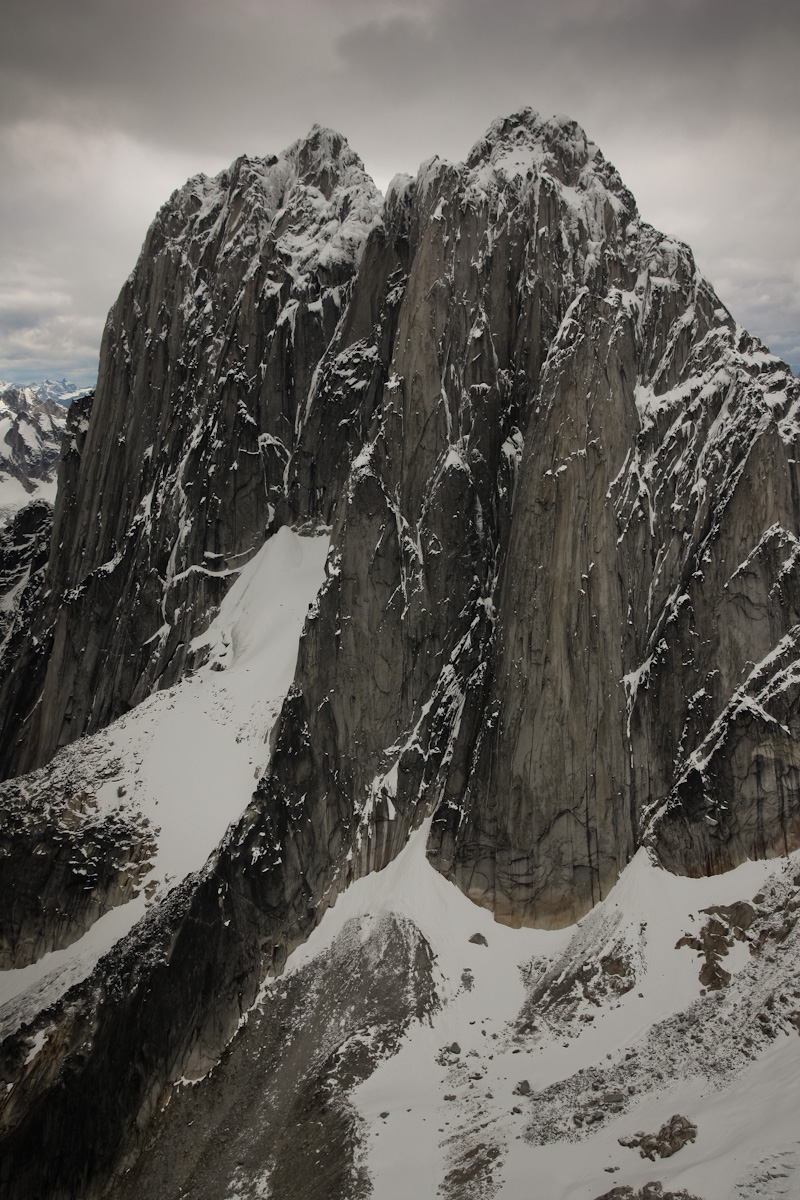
61, 391
32, 423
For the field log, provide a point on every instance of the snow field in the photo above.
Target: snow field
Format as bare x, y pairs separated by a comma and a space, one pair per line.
13, 496
189, 757
439, 1102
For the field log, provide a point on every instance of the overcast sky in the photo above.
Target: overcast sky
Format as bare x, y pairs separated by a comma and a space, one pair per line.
107, 105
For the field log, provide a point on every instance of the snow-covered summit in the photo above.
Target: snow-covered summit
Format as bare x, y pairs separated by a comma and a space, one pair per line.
62, 391
525, 144
313, 205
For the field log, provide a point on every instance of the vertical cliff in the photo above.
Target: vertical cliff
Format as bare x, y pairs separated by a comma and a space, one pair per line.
205, 369
561, 599
574, 439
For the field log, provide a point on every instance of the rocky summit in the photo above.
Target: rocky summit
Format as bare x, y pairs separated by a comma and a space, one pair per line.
407, 679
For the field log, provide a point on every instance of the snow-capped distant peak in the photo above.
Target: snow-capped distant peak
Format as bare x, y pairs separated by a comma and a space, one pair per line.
61, 391
31, 427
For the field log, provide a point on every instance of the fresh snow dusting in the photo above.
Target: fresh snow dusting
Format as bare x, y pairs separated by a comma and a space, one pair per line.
471, 1077
187, 759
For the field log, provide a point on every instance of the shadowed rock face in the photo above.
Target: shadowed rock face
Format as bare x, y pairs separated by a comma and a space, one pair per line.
561, 602
24, 550
29, 620
205, 368
64, 859
277, 1106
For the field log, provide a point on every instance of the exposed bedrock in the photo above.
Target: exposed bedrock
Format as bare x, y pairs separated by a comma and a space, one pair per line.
546, 822
206, 369
654, 582
277, 1106
62, 865
24, 550
561, 603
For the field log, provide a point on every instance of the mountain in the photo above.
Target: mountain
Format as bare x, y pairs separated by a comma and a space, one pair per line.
207, 360
60, 391
31, 428
462, 523
32, 423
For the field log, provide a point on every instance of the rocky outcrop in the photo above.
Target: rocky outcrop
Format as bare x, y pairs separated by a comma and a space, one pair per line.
63, 863
561, 599
279, 1103
29, 608
670, 1138
24, 551
650, 1191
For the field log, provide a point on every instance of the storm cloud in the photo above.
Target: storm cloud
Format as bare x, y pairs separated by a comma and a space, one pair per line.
107, 105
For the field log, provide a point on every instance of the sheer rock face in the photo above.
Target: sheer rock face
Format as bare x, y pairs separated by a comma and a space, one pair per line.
536, 544
205, 369
421, 538
561, 603
650, 591
563, 493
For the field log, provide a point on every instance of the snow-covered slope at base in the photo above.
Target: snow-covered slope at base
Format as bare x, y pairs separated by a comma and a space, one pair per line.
186, 760
462, 1093
747, 1145
13, 496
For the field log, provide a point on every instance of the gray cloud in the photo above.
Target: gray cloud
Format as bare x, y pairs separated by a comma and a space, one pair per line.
108, 104
196, 73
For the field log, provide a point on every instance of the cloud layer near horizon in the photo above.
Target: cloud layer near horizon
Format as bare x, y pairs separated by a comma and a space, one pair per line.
107, 105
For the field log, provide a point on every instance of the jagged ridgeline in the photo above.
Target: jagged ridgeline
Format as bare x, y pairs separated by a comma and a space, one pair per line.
561, 601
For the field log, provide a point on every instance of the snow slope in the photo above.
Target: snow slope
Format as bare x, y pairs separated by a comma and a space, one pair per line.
14, 496
478, 1090
186, 760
